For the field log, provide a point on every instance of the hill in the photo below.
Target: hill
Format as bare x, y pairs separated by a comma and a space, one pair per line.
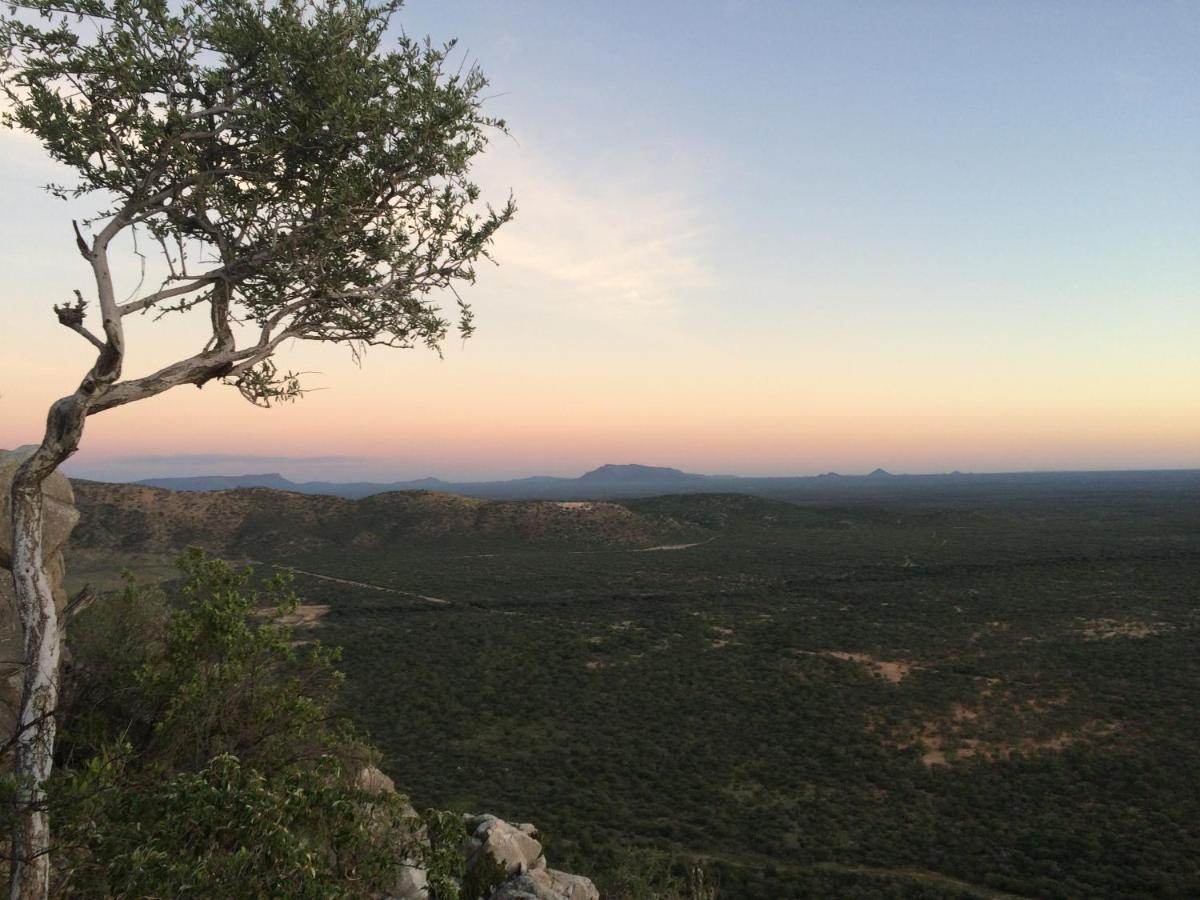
142, 525
632, 473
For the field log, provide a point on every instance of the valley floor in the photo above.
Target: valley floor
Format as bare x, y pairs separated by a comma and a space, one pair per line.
913, 696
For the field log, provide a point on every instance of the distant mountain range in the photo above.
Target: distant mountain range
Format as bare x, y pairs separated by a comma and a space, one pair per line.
607, 480
631, 480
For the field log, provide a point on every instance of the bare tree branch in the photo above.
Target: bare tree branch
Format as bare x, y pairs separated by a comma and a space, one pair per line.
72, 317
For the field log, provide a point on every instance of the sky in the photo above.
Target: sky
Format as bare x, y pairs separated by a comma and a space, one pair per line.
754, 238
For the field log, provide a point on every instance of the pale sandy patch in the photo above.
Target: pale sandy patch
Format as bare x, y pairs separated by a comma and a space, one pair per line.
303, 616
893, 671
1106, 629
946, 740
662, 547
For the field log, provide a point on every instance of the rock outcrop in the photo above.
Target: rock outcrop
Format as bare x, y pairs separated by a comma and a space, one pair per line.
512, 846
546, 884
491, 843
59, 517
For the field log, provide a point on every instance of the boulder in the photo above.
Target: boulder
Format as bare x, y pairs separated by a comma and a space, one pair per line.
373, 781
512, 846
412, 883
60, 517
12, 656
59, 514
546, 884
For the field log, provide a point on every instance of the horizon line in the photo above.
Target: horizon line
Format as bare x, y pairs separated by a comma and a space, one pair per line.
877, 472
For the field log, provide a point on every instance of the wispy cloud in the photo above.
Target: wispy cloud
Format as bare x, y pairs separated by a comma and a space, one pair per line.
603, 238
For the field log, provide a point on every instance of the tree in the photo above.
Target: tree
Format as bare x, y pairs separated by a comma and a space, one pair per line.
299, 181
205, 757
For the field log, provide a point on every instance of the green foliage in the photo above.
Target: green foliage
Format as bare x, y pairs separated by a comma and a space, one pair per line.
485, 875
211, 766
324, 174
641, 872
218, 675
443, 859
231, 679
225, 830
111, 645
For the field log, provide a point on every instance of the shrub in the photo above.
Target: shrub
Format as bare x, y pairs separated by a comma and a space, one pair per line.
201, 758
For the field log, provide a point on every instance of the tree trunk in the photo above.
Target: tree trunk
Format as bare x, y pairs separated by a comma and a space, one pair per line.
39, 697
30, 858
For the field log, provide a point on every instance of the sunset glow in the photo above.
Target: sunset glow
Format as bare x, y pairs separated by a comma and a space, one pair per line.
969, 244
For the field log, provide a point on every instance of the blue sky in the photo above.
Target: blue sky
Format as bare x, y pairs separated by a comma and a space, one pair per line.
766, 237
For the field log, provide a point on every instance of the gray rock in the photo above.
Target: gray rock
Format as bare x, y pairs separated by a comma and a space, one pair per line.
59, 515
412, 883
514, 847
12, 657
373, 781
507, 844
547, 884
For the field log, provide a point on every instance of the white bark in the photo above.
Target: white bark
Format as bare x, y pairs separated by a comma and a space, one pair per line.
30, 873
30, 866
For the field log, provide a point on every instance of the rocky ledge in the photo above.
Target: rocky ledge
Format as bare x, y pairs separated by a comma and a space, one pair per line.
509, 856
516, 849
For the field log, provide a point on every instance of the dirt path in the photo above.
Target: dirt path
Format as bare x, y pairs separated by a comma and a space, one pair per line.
442, 602
360, 584
672, 546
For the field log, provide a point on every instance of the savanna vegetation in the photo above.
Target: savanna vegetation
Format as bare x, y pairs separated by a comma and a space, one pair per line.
898, 694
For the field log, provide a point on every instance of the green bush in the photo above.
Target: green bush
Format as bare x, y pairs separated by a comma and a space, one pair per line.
225, 831
200, 756
641, 873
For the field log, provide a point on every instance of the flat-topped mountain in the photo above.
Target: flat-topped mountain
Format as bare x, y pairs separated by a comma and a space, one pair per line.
632, 473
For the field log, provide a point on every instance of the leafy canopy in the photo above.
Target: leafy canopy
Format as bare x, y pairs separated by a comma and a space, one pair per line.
295, 174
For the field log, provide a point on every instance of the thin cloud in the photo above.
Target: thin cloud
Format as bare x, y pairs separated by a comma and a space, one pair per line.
599, 239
